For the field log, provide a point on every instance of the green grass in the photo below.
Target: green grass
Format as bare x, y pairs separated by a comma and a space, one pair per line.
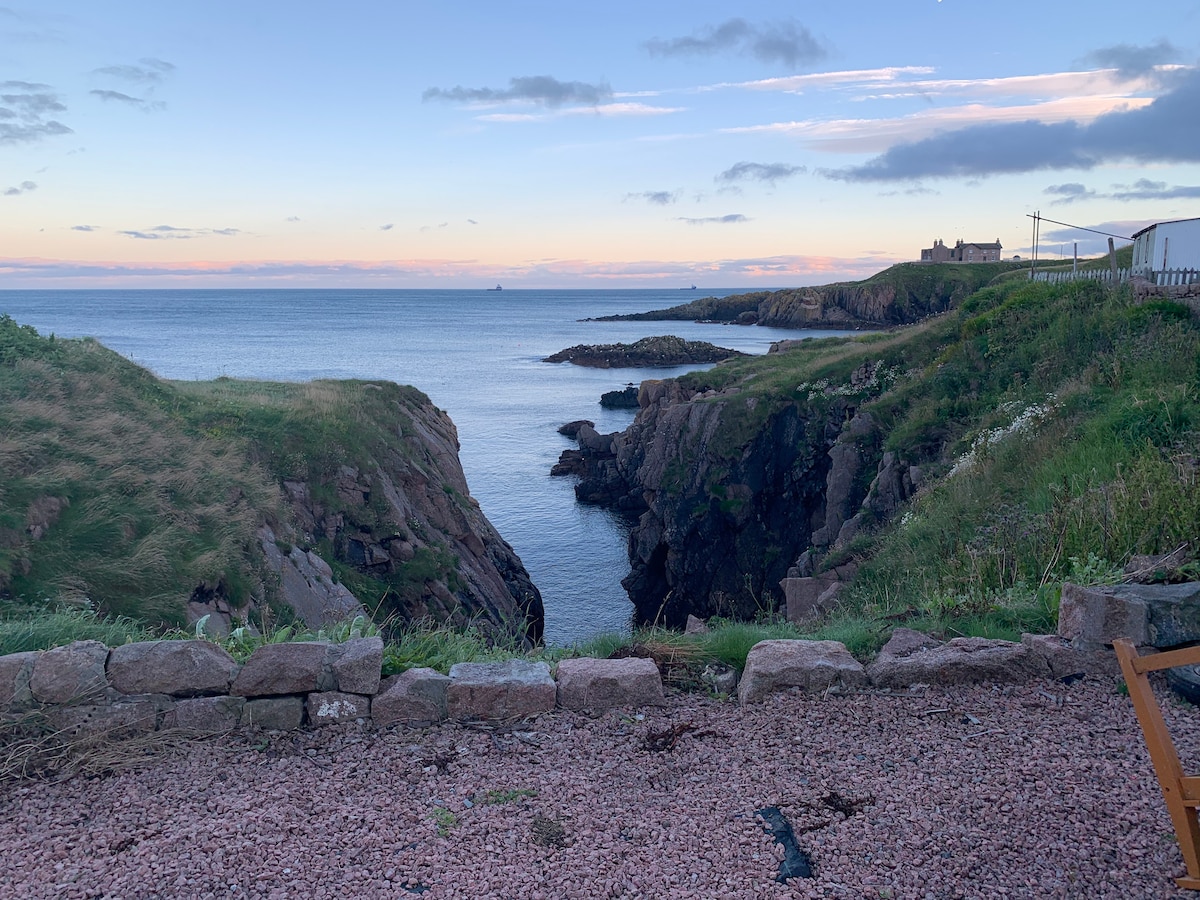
44, 629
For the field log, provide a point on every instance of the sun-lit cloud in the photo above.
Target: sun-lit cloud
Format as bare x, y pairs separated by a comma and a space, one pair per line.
787, 42
1165, 129
866, 135
774, 271
173, 232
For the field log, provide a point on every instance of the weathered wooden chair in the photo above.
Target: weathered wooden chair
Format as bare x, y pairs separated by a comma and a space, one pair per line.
1181, 792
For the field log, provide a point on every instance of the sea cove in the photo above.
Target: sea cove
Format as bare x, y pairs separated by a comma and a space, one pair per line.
476, 354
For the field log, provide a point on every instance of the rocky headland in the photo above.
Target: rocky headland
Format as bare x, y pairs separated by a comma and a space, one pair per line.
900, 295
170, 502
649, 352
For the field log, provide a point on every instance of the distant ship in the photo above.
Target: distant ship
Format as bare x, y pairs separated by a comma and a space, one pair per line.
692, 288
496, 288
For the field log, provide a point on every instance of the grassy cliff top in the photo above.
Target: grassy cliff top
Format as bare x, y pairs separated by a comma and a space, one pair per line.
125, 493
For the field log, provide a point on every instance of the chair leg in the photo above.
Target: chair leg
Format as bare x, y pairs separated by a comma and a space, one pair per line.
1166, 763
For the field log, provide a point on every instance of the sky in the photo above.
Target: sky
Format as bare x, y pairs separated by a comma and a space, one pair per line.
226, 143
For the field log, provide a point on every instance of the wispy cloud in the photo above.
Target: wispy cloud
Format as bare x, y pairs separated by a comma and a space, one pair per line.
898, 81
23, 188
175, 233
876, 135
26, 108
85, 227
1142, 189
604, 110
770, 271
657, 198
1164, 130
731, 219
766, 172
1131, 60
788, 42
542, 90
150, 71
1071, 192
388, 227
118, 97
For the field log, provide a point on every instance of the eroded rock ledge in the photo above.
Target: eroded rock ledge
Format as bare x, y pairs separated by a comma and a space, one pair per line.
649, 352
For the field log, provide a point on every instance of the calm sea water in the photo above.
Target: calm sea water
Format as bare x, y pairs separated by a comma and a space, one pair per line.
476, 354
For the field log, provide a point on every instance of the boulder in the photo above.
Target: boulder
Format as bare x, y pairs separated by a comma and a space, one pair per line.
335, 707
179, 668
71, 672
206, 715
572, 428
275, 669
1063, 660
604, 683
123, 717
964, 660
505, 690
1154, 615
274, 713
416, 697
907, 641
356, 665
802, 595
695, 625
16, 670
812, 665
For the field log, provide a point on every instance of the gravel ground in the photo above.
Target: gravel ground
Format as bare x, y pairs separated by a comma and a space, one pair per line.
1041, 790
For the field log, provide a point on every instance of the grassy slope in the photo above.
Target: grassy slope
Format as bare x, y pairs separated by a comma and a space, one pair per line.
1108, 471
909, 280
166, 483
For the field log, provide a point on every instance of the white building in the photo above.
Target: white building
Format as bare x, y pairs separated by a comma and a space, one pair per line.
1167, 245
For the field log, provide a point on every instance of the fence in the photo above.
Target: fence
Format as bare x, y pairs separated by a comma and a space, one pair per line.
1165, 278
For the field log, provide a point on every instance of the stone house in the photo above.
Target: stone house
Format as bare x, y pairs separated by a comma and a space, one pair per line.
962, 252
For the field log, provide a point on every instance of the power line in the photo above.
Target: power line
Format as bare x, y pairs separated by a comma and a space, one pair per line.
1042, 218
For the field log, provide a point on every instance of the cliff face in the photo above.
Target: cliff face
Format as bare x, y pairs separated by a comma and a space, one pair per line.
720, 524
170, 501
904, 294
404, 517
736, 492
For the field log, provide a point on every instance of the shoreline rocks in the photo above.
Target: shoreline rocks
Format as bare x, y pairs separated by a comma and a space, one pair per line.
649, 352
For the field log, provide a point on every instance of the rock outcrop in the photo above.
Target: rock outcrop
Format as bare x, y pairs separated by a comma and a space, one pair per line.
403, 515
900, 295
724, 506
649, 352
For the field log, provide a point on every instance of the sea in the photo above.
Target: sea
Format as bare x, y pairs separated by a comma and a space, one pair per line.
476, 353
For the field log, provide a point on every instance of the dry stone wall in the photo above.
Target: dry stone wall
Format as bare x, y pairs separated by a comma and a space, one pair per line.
197, 685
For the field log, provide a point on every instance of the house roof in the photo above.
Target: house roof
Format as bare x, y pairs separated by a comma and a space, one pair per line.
1138, 234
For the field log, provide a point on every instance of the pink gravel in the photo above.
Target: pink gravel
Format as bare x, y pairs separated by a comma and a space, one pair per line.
1041, 790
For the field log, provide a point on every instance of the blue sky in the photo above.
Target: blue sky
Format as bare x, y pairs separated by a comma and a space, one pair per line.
158, 144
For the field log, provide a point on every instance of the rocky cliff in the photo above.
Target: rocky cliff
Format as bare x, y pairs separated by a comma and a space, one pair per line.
735, 491
403, 517
166, 502
900, 295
